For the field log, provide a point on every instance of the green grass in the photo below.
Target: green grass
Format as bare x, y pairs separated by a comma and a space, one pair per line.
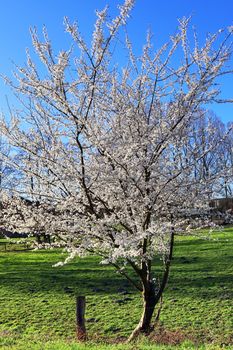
58, 345
91, 346
37, 302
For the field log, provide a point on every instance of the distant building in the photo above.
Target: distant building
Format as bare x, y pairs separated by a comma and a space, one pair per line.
222, 204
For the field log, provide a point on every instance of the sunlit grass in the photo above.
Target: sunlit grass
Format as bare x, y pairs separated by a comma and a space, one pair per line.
37, 301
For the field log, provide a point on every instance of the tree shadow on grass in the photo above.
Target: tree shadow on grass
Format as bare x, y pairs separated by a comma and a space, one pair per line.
209, 287
202, 277
192, 275
31, 275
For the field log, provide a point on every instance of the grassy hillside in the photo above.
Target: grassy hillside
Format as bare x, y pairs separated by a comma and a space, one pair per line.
37, 302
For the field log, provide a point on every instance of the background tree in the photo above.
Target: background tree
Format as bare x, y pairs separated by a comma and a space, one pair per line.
115, 150
8, 176
209, 131
227, 164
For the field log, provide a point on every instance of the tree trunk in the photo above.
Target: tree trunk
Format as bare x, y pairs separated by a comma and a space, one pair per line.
151, 295
150, 301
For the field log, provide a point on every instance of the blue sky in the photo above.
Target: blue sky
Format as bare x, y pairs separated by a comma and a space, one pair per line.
16, 16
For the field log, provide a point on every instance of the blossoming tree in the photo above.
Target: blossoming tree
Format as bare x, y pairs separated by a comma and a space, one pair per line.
112, 151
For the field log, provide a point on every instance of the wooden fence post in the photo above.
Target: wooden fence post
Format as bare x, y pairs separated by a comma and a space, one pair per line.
80, 318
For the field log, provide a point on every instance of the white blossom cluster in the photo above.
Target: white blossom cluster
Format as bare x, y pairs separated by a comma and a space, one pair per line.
115, 161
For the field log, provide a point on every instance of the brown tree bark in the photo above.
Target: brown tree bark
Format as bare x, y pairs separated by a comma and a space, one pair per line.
80, 318
152, 295
149, 301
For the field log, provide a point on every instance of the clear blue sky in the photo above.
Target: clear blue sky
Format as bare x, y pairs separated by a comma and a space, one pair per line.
16, 16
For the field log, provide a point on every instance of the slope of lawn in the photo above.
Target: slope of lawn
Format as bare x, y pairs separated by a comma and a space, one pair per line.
37, 302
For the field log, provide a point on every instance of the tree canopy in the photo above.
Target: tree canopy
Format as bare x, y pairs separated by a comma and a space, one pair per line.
117, 159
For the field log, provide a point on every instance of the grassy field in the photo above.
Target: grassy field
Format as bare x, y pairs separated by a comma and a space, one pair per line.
37, 302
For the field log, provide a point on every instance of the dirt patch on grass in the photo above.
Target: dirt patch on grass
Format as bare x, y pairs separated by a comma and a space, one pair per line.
165, 336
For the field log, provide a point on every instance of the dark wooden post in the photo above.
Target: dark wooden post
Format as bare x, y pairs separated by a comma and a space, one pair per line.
80, 318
